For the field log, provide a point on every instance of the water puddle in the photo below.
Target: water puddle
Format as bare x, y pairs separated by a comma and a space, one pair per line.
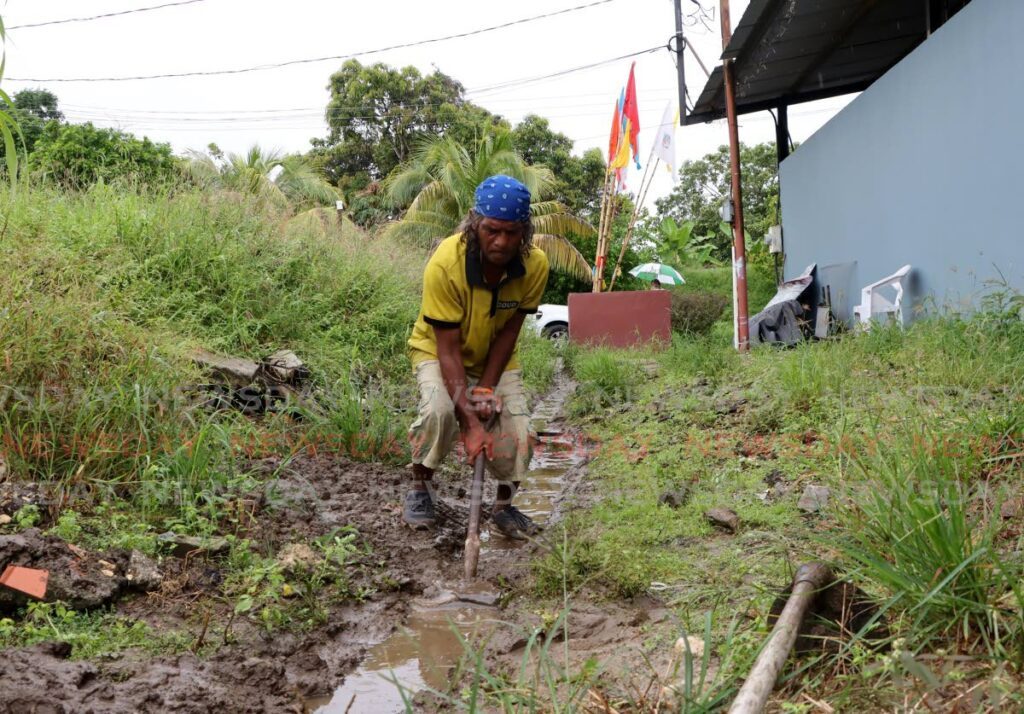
420, 655
423, 653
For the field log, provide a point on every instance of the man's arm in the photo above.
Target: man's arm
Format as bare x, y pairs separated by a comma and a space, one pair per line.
501, 350
449, 355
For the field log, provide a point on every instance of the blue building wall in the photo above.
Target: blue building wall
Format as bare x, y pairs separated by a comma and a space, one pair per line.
926, 167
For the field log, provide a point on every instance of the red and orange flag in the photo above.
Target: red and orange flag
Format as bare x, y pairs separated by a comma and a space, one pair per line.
623, 143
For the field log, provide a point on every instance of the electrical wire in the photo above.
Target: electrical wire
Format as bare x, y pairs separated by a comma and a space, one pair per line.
103, 16
311, 60
562, 73
562, 102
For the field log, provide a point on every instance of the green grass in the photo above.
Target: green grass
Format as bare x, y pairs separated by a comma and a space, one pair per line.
606, 377
105, 293
538, 356
918, 433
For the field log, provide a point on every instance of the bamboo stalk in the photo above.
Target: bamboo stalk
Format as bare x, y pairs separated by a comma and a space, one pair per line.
605, 202
609, 219
641, 197
809, 579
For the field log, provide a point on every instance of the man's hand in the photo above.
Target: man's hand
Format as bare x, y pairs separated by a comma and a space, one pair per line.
477, 439
484, 402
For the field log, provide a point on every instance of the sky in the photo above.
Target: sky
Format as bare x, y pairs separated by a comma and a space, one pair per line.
282, 108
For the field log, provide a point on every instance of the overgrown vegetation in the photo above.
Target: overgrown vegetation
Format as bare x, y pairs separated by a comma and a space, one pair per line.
916, 432
107, 291
79, 155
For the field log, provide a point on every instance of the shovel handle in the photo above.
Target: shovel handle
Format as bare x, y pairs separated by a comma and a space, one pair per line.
476, 497
472, 549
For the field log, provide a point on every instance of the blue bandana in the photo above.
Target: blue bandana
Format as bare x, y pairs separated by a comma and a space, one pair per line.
503, 197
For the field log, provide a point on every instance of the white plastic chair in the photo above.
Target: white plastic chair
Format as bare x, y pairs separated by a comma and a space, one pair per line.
873, 304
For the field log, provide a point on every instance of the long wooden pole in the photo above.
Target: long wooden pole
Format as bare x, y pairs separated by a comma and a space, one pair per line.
606, 201
652, 165
739, 264
476, 496
753, 696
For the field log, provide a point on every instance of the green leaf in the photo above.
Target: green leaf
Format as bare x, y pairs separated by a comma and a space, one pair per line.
563, 256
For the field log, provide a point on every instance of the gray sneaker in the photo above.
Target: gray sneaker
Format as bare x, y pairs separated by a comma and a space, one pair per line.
525, 523
419, 510
513, 523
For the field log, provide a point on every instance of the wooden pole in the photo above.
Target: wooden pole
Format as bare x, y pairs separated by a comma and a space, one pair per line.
606, 201
641, 197
739, 265
476, 496
809, 579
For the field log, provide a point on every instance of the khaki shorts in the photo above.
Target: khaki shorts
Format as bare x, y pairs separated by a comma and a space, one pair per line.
436, 429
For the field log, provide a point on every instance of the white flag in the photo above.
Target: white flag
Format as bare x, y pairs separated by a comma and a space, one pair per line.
665, 142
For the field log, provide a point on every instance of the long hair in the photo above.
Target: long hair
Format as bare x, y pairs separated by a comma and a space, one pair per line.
469, 226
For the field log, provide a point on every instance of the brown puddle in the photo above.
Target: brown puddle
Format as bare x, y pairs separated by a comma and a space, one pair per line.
421, 654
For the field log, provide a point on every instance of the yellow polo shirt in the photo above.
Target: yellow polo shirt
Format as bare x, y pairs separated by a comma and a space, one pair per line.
455, 295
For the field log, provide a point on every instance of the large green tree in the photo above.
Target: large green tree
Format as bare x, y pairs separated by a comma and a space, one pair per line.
8, 124
378, 116
578, 179
438, 186
704, 185
32, 110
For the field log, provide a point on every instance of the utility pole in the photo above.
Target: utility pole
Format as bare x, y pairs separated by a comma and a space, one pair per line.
680, 69
739, 263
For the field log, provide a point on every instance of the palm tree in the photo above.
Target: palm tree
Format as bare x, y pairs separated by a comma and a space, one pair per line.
438, 186
256, 172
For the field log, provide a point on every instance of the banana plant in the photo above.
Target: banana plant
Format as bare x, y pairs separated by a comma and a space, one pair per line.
677, 244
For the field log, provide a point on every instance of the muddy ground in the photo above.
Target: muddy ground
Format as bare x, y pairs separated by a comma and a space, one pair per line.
251, 670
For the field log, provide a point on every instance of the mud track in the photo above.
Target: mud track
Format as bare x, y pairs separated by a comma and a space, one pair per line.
258, 671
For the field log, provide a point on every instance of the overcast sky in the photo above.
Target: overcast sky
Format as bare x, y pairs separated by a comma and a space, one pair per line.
283, 108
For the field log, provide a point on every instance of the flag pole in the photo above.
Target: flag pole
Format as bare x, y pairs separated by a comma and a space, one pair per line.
601, 227
648, 177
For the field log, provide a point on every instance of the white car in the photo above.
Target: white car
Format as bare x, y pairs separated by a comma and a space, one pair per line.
551, 321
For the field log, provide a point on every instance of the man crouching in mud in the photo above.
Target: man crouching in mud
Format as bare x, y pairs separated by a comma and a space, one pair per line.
478, 288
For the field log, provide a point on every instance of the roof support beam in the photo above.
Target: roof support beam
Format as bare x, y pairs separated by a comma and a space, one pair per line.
782, 132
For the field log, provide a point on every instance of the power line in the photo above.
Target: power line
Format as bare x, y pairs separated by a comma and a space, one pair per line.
105, 15
310, 60
553, 75
230, 111
359, 112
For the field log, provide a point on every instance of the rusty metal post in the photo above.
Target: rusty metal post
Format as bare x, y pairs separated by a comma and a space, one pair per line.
739, 265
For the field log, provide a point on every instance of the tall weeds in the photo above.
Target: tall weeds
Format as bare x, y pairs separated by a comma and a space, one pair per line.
104, 294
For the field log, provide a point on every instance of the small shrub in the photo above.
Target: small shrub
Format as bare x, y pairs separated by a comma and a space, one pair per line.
695, 313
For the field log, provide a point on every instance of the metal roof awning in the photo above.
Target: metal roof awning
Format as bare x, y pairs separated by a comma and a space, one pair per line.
790, 51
